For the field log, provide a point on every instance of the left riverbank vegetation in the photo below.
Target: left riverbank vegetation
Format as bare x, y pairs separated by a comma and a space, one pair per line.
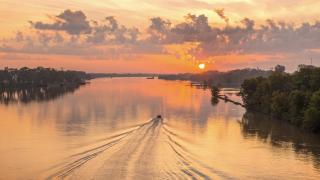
292, 97
40, 77
38, 84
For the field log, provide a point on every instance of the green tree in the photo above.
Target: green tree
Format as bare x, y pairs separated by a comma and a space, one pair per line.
215, 91
280, 82
297, 104
279, 68
292, 97
312, 114
315, 79
280, 105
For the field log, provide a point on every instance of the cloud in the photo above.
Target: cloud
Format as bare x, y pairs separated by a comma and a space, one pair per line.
72, 22
194, 28
158, 29
111, 32
220, 13
192, 39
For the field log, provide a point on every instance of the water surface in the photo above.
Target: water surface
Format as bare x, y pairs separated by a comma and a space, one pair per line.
107, 130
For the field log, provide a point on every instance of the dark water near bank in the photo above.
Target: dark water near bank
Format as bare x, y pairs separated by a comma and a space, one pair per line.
107, 130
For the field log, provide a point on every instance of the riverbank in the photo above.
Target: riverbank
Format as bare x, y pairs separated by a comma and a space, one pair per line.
40, 77
291, 97
231, 79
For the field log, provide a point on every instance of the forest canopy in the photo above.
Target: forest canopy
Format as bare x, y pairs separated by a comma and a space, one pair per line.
39, 76
292, 97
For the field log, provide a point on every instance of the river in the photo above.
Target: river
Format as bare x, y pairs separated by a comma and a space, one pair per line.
107, 130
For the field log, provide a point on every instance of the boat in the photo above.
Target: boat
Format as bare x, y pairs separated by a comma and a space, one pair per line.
159, 119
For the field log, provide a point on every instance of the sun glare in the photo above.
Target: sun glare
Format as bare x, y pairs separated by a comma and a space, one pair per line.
202, 66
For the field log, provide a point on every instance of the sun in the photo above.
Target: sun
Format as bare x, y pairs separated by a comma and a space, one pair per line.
202, 66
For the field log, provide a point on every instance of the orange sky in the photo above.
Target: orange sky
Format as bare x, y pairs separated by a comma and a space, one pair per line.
170, 55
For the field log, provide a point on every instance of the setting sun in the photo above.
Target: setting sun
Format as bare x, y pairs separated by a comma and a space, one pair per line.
202, 66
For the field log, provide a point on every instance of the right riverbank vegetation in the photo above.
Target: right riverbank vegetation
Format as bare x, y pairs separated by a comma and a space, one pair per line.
291, 97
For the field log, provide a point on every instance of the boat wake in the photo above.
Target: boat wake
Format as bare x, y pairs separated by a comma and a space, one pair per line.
151, 150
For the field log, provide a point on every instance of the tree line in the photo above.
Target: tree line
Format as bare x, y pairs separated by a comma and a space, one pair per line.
39, 77
292, 97
232, 78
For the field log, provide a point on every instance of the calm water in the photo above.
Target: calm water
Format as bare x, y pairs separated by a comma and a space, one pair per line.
106, 130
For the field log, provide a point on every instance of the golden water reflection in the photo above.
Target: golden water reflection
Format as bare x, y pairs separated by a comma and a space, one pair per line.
100, 131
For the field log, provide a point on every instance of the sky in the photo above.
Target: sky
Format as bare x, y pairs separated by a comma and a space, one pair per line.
159, 36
